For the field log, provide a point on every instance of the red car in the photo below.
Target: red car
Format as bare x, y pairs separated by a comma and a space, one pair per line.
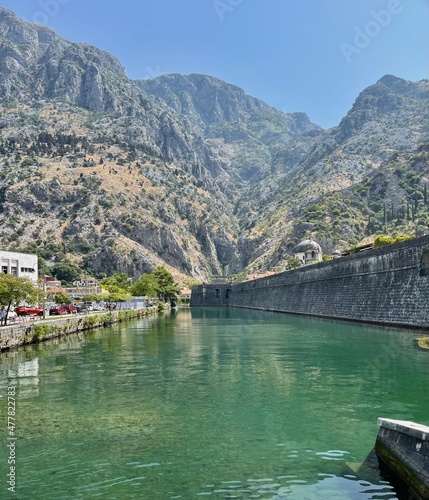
71, 308
29, 311
62, 309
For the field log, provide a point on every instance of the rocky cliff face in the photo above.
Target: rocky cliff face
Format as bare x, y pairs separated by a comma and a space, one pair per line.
206, 101
387, 118
186, 171
245, 132
36, 63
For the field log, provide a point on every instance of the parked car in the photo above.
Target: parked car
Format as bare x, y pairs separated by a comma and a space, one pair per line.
62, 309
29, 311
98, 307
71, 308
86, 307
57, 311
11, 315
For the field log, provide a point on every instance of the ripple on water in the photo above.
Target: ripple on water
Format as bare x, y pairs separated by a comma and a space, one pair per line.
216, 410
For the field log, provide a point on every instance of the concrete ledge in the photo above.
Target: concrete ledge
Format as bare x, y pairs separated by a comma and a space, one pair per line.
404, 447
411, 428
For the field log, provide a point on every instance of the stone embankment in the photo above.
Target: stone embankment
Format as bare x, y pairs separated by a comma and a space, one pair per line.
36, 330
404, 447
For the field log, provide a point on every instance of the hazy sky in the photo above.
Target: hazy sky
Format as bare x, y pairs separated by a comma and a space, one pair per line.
297, 55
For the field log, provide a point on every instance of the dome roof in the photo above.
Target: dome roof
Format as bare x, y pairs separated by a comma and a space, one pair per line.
307, 245
336, 252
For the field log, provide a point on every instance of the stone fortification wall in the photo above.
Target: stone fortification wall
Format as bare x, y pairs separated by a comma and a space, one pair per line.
388, 286
210, 295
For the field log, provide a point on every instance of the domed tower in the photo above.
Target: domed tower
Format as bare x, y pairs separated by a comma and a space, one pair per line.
336, 254
308, 251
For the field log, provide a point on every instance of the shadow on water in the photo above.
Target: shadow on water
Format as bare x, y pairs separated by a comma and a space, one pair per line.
374, 469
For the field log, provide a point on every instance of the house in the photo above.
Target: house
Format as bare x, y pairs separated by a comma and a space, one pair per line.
185, 294
23, 265
51, 287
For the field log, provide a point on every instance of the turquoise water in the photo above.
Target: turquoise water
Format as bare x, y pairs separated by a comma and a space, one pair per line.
210, 403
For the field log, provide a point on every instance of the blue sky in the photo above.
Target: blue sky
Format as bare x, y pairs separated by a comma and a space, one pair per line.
297, 55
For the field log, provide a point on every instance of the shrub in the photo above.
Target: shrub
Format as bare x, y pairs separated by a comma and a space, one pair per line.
383, 240
161, 307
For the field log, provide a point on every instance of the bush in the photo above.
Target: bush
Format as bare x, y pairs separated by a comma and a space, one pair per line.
42, 330
383, 240
161, 307
109, 319
90, 321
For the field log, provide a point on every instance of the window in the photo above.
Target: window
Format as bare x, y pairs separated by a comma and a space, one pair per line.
27, 270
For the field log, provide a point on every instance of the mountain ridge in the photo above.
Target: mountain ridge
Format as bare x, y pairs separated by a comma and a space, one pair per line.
186, 171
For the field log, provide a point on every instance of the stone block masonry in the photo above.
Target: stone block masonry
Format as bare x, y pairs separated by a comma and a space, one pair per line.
29, 333
387, 286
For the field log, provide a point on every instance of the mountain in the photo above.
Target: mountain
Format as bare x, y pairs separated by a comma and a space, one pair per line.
387, 118
245, 131
70, 112
188, 171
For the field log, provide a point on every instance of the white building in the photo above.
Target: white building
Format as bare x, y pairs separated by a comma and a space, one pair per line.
23, 265
308, 251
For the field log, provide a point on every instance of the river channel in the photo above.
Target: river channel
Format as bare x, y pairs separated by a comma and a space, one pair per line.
218, 403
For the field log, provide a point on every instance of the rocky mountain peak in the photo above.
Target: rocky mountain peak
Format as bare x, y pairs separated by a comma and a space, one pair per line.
387, 96
183, 170
399, 86
37, 63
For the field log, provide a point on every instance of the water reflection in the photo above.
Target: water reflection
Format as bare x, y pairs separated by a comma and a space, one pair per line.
227, 403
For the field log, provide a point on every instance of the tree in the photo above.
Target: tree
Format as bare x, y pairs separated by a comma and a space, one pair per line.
94, 297
117, 281
238, 278
115, 297
166, 288
146, 285
118, 287
293, 263
66, 272
14, 290
62, 298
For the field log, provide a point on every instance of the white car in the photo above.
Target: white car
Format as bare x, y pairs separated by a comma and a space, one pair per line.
11, 316
97, 307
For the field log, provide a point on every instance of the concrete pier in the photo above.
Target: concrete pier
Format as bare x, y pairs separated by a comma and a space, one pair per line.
404, 447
